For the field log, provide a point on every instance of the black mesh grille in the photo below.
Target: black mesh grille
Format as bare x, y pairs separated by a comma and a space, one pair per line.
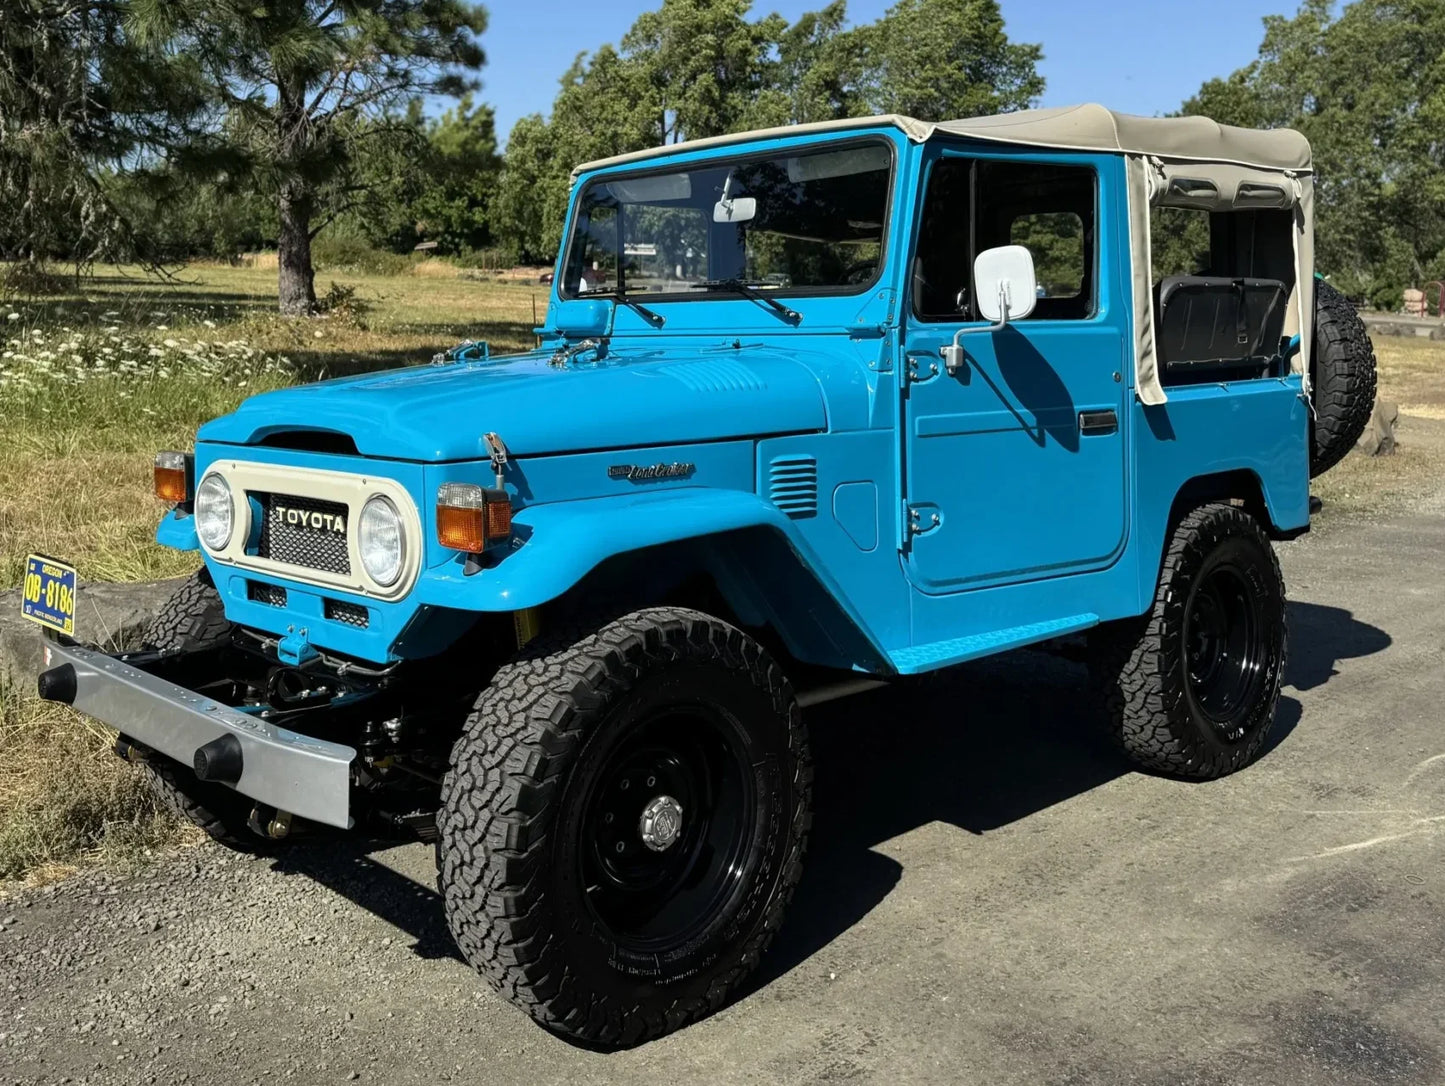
266, 593
352, 614
292, 533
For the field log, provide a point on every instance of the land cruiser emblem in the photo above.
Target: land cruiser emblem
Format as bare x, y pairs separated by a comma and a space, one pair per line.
634, 473
307, 518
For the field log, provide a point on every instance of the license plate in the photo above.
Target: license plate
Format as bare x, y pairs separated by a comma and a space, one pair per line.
48, 595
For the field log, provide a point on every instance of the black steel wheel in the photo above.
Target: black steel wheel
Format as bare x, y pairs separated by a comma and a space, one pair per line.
668, 820
1191, 688
1226, 654
624, 823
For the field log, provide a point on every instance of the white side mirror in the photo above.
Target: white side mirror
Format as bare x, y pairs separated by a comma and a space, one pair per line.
1007, 288
740, 209
1005, 284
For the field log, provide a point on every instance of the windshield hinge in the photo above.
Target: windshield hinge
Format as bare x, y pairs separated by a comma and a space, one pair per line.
568, 351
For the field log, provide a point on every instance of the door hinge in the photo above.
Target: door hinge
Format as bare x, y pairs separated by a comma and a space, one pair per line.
921, 367
922, 519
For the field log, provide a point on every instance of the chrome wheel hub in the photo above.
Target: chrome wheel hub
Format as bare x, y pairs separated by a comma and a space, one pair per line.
661, 823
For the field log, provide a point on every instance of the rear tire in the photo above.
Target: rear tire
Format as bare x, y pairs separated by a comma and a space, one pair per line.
1342, 377
194, 618
624, 823
1191, 688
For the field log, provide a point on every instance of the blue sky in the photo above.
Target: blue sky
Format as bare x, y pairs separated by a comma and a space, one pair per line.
1138, 56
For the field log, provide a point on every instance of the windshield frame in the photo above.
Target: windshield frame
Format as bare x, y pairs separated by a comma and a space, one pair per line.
672, 165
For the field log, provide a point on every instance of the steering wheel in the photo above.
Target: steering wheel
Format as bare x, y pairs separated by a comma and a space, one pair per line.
860, 272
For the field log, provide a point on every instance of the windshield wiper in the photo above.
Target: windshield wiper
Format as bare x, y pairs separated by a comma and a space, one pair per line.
651, 316
748, 289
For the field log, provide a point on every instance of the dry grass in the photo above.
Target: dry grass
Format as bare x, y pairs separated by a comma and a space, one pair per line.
75, 453
92, 382
1412, 374
65, 798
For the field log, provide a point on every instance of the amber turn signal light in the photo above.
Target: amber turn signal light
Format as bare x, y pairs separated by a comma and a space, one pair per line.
173, 477
471, 518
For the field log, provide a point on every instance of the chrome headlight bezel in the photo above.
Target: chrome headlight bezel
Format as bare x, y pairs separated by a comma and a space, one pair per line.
379, 505
214, 498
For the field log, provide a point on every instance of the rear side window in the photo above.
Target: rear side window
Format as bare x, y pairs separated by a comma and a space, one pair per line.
972, 205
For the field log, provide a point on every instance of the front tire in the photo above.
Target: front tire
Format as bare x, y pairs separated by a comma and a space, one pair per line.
624, 823
194, 619
1191, 689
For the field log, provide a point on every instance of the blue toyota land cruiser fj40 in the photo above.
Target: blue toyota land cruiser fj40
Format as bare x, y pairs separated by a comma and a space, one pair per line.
814, 409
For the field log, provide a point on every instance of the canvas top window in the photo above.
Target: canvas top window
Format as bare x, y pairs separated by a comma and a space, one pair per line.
807, 221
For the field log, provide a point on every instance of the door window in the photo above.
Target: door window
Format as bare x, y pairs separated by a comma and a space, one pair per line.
972, 205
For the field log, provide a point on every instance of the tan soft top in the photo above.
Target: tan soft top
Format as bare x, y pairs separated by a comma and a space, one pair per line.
1165, 160
1080, 128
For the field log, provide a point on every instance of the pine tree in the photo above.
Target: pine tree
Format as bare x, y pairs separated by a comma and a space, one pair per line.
298, 89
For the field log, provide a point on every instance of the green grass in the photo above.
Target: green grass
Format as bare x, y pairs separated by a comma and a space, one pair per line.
94, 381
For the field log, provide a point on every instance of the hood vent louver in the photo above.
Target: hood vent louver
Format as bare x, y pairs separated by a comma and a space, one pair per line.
793, 485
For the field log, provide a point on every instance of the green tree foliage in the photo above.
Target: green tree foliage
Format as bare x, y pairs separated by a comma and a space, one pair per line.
304, 97
698, 68
1367, 87
941, 59
435, 185
78, 97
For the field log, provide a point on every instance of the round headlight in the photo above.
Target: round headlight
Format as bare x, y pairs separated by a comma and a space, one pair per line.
380, 540
215, 512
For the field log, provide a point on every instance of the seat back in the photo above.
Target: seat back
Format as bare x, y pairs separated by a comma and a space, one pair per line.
1218, 328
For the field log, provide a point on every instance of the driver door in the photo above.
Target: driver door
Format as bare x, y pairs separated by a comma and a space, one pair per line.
1015, 464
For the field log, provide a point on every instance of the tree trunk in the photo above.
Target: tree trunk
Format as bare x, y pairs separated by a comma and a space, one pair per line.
297, 278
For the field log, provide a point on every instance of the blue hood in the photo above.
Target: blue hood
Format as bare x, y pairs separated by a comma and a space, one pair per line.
634, 397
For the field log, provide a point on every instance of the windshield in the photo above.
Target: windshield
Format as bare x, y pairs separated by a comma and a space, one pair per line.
799, 222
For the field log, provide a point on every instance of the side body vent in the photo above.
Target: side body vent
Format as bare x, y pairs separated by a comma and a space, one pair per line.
793, 485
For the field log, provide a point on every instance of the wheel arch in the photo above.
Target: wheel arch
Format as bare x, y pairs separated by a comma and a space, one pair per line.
690, 546
1238, 486
752, 577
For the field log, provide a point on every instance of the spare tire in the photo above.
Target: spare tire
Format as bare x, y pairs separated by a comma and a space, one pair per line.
1342, 373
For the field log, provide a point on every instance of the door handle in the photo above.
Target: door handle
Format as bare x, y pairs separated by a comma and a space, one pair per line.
1098, 422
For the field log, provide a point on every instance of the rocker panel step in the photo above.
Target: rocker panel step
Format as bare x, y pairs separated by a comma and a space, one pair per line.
912, 661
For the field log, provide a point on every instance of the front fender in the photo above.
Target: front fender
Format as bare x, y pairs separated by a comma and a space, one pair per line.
564, 541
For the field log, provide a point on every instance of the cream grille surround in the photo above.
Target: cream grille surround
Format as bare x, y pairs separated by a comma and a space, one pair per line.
343, 488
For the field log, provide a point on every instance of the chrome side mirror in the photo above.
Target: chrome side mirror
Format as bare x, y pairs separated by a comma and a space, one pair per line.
1006, 286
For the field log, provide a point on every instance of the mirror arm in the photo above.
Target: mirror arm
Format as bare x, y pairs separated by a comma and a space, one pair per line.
954, 358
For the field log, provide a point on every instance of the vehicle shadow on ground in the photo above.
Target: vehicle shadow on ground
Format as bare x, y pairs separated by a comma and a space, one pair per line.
345, 865
1322, 636
978, 747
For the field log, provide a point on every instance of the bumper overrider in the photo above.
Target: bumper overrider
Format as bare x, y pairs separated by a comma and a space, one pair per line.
291, 772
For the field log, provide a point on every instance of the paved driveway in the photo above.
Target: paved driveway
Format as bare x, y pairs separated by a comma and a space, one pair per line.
993, 898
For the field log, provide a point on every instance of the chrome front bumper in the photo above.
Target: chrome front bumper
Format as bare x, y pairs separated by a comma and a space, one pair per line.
310, 778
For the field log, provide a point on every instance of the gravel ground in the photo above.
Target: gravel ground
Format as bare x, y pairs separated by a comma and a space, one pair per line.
994, 897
